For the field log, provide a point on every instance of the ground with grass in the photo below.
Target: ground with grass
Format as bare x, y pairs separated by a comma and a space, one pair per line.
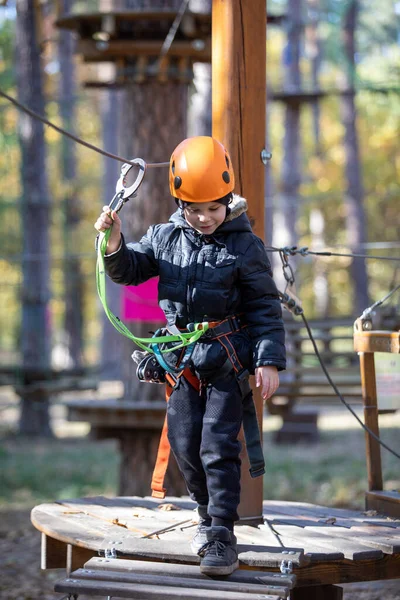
331, 472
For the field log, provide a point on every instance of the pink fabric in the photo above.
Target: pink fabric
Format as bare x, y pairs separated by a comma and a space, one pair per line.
140, 303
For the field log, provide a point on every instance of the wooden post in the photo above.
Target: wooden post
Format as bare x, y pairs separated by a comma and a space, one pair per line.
370, 401
238, 121
239, 94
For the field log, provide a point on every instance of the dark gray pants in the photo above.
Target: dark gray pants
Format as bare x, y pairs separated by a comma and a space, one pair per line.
202, 431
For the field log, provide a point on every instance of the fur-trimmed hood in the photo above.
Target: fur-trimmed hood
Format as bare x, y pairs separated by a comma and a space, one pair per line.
236, 220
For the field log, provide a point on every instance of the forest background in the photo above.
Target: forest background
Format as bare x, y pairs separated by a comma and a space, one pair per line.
309, 197
317, 199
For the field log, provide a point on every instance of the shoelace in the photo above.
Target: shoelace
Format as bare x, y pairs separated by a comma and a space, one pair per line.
213, 548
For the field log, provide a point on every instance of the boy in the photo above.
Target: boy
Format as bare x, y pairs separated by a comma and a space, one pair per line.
211, 267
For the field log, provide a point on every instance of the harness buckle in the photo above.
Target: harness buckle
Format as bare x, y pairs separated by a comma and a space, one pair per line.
234, 323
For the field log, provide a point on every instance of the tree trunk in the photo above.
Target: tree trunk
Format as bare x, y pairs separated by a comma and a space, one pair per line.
317, 219
285, 231
72, 268
154, 114
315, 51
34, 418
320, 282
354, 199
111, 351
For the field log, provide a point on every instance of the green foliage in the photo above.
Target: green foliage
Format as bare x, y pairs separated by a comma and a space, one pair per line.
33, 471
324, 183
331, 472
6, 53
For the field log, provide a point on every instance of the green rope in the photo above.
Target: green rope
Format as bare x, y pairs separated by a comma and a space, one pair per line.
184, 339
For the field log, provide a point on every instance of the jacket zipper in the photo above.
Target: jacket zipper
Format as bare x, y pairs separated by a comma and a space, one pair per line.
191, 279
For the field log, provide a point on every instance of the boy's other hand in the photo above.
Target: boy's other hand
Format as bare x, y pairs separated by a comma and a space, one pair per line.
107, 219
267, 377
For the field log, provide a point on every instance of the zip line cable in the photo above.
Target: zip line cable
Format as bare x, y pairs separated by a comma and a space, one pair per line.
73, 137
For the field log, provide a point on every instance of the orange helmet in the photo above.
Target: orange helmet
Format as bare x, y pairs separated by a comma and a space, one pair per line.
200, 170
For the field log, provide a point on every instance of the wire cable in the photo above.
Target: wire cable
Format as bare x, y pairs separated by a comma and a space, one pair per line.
369, 310
173, 29
75, 138
293, 250
334, 386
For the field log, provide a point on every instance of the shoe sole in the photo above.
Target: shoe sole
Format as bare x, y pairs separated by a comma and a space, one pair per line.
210, 570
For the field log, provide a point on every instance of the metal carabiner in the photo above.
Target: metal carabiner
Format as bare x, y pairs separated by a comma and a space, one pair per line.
121, 187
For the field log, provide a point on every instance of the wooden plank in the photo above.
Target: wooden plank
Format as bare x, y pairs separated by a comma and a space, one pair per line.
76, 528
351, 550
70, 528
142, 521
179, 570
388, 545
166, 581
300, 509
147, 592
263, 536
313, 551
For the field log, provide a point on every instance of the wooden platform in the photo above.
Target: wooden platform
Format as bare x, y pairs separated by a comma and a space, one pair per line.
109, 544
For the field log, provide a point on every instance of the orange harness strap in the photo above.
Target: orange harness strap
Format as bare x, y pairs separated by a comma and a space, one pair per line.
157, 483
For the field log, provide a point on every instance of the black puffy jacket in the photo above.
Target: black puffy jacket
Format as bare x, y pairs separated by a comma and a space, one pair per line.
207, 278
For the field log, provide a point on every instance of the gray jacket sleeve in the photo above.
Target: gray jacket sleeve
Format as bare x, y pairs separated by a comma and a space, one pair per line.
133, 263
262, 307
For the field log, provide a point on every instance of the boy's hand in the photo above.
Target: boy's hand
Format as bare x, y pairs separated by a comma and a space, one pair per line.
104, 222
268, 378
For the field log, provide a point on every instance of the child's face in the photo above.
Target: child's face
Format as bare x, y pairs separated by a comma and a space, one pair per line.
205, 217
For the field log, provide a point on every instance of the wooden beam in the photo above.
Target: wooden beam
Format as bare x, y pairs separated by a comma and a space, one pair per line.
238, 121
93, 51
377, 341
384, 502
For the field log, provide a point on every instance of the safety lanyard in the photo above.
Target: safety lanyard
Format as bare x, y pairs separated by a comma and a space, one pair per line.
184, 339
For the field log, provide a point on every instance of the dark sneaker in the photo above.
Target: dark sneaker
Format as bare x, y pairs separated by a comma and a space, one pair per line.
200, 536
219, 554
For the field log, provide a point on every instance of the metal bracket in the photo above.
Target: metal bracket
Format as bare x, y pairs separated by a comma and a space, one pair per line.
286, 567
